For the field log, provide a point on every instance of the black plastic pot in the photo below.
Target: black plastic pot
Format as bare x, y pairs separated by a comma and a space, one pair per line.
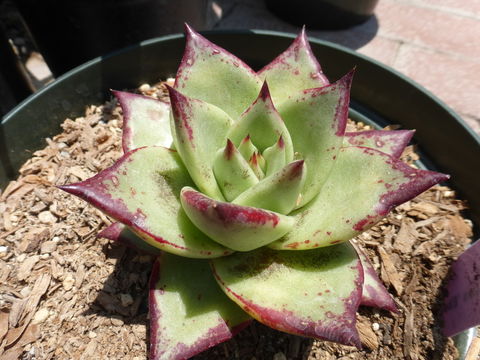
380, 96
68, 33
323, 14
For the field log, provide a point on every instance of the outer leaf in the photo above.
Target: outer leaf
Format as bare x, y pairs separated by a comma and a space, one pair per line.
188, 311
121, 233
316, 120
311, 293
142, 191
374, 293
294, 70
199, 130
278, 192
363, 187
391, 142
232, 172
146, 121
263, 124
212, 74
237, 227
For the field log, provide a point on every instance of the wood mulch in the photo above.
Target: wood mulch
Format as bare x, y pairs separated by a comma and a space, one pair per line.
65, 294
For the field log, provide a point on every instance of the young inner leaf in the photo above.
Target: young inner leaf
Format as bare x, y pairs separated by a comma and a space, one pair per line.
278, 192
233, 173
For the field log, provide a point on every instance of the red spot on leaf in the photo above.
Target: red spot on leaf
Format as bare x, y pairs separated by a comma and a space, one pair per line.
360, 226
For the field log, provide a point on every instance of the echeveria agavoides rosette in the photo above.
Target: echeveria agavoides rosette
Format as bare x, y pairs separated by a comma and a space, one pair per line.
247, 189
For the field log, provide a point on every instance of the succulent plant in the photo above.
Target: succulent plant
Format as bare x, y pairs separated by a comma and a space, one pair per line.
248, 190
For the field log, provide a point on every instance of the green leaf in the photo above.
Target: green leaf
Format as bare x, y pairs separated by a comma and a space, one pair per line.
246, 148
210, 73
363, 187
142, 191
199, 130
278, 192
255, 165
262, 124
312, 293
232, 171
189, 313
391, 142
275, 157
240, 228
146, 121
293, 70
316, 120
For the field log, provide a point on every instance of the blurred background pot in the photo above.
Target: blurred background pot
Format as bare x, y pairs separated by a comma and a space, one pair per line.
323, 14
69, 33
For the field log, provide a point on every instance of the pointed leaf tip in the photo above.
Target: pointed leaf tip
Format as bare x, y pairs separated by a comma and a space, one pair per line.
265, 92
417, 182
246, 139
235, 83
391, 142
229, 150
374, 293
293, 70
188, 29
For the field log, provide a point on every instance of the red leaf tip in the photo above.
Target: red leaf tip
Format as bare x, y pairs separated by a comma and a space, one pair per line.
74, 189
254, 159
302, 36
264, 92
246, 139
189, 30
229, 149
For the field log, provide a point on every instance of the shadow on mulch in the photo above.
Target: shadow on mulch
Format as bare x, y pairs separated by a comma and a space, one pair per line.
131, 275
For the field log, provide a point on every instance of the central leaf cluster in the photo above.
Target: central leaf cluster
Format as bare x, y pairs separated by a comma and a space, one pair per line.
252, 169
248, 185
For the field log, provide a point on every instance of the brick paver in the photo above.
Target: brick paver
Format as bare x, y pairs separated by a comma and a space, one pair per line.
434, 42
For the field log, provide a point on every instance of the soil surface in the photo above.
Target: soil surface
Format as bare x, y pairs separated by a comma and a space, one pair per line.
66, 294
